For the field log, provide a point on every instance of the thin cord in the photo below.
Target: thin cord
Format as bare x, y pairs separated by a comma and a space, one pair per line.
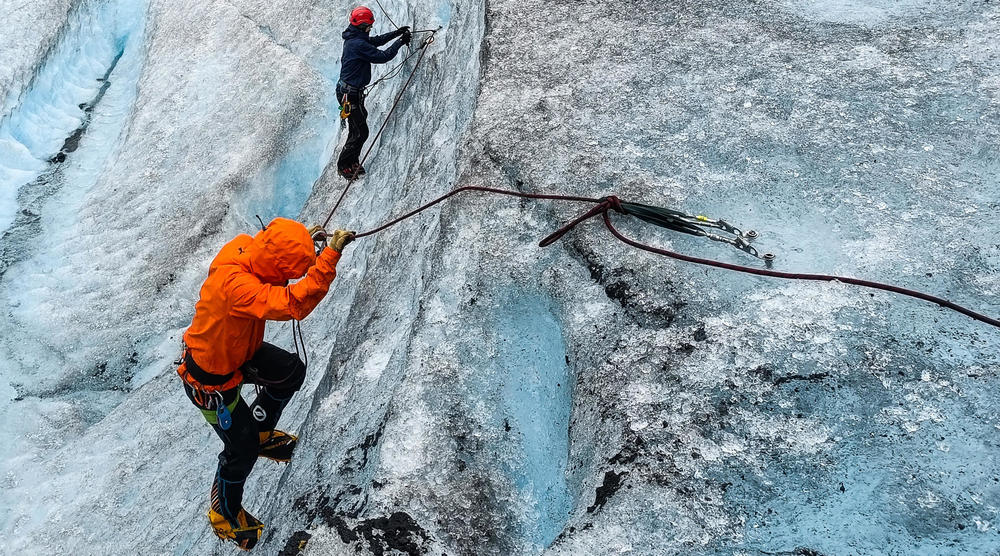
297, 337
386, 14
396, 70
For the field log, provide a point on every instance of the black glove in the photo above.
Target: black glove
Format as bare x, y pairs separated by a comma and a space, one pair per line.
405, 39
404, 30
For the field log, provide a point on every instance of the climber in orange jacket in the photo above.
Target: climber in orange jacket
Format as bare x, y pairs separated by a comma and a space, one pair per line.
247, 285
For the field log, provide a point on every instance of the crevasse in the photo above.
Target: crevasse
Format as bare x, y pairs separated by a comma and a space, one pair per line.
61, 93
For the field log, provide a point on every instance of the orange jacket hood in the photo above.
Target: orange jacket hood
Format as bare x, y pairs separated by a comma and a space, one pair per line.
282, 251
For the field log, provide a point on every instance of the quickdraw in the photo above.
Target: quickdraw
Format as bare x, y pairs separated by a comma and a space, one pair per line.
696, 225
345, 108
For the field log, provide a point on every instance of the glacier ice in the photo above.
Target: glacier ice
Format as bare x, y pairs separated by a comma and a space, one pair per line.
470, 393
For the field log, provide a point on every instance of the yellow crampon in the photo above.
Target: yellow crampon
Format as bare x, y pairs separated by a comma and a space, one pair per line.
277, 445
245, 535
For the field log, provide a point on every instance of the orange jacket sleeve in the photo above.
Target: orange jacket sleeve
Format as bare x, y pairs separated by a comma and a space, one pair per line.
251, 298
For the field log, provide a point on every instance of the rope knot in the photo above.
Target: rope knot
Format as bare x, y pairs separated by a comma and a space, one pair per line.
613, 202
602, 207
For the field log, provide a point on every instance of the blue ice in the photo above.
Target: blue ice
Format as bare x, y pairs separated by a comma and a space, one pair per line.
283, 190
444, 13
537, 398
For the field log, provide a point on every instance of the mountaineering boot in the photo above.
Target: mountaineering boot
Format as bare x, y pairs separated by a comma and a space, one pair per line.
353, 171
277, 445
244, 529
245, 532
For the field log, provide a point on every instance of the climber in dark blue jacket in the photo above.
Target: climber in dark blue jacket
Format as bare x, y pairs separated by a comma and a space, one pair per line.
360, 52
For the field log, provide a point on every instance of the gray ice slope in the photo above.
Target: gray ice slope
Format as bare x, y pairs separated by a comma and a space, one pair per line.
471, 393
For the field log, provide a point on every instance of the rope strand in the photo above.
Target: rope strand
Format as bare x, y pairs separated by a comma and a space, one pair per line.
386, 14
396, 70
801, 276
604, 206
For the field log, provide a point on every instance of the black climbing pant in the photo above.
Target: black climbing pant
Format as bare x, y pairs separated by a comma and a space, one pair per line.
279, 374
357, 126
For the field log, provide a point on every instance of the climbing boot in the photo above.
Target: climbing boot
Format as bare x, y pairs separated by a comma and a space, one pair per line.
348, 173
353, 171
277, 445
245, 532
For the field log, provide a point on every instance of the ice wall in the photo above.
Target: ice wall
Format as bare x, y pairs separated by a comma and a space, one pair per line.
34, 29
470, 393
716, 413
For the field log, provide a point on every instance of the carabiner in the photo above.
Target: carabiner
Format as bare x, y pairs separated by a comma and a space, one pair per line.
222, 413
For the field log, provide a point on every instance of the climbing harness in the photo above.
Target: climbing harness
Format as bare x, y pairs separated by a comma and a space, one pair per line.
684, 223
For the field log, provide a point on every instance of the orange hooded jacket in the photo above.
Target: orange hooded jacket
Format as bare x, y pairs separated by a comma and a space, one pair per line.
246, 286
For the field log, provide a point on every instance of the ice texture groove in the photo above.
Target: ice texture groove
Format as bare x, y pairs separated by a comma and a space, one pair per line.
470, 393
38, 26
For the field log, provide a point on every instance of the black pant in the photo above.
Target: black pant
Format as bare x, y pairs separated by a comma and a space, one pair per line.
280, 375
357, 126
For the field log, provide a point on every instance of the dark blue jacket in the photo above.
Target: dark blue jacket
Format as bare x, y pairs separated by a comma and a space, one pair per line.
361, 51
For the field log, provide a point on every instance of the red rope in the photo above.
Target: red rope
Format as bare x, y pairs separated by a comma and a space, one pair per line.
484, 189
800, 276
607, 204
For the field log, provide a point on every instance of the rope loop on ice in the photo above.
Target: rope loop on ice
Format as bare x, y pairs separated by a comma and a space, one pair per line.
603, 206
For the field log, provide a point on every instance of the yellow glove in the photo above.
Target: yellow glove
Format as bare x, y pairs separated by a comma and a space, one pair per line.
317, 233
340, 239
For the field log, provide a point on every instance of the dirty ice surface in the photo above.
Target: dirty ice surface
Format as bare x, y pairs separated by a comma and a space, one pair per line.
469, 392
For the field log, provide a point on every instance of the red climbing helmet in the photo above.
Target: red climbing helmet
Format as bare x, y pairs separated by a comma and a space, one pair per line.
362, 16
